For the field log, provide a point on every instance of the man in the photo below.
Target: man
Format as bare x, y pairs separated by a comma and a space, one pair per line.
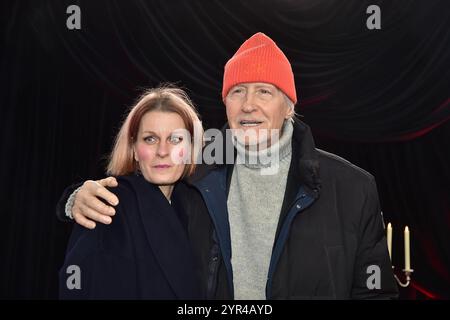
312, 228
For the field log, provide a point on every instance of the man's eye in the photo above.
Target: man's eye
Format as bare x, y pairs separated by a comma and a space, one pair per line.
237, 91
265, 91
150, 139
176, 139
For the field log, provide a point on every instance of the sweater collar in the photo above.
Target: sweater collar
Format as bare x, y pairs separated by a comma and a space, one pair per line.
268, 157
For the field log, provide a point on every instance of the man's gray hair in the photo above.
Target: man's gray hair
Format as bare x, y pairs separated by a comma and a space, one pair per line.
290, 104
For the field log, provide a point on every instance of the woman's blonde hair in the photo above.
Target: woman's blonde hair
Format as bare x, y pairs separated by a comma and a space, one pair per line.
163, 99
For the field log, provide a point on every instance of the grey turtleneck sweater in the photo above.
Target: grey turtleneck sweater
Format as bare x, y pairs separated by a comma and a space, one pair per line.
254, 204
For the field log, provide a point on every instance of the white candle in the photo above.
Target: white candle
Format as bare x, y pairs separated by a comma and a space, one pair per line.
407, 250
389, 239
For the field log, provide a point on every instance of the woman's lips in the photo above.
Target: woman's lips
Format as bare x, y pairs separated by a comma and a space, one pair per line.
162, 166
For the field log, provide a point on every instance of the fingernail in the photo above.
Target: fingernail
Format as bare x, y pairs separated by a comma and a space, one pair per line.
107, 220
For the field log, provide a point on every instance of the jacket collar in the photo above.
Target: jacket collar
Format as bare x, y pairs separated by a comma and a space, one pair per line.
305, 157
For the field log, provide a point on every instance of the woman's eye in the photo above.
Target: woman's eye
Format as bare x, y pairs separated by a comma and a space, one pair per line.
176, 139
150, 139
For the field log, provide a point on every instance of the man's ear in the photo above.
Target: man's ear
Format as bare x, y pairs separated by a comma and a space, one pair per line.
289, 112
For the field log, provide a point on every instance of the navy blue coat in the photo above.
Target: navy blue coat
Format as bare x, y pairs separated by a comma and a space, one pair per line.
143, 254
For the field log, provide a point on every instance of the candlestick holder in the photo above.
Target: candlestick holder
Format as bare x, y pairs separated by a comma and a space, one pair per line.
407, 273
407, 270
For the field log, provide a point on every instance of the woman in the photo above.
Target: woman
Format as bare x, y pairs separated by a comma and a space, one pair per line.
145, 252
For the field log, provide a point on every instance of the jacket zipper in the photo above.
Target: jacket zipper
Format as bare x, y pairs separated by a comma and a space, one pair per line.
212, 270
304, 203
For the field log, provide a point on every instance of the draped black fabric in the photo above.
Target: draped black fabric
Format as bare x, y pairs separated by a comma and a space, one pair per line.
380, 98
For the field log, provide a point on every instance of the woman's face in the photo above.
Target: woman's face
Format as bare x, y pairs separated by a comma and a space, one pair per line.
161, 147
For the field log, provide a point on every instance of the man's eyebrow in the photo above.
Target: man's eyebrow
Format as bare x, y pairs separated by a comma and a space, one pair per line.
265, 86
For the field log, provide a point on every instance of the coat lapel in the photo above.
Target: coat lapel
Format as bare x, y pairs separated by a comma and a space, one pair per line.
167, 238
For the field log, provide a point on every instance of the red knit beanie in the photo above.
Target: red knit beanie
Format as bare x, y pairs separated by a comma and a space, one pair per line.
259, 60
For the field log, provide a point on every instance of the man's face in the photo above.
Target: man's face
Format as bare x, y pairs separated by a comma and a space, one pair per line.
256, 106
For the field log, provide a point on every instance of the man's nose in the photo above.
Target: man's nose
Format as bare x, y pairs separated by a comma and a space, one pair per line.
249, 103
163, 149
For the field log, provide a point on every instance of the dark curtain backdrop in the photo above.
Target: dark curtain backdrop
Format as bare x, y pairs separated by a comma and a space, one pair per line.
379, 98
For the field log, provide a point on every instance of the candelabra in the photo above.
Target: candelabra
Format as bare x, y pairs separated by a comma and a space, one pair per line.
407, 270
407, 277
